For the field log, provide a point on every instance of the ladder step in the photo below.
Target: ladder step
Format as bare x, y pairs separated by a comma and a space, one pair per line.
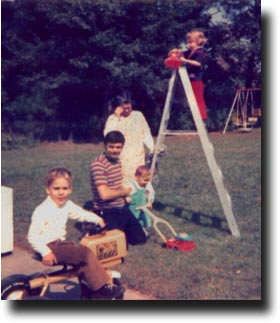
180, 132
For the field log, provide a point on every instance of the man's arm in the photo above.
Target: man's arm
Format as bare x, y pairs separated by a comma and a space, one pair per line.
105, 193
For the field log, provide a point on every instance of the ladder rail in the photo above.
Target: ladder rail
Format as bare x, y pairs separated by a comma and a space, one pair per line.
209, 154
164, 120
207, 146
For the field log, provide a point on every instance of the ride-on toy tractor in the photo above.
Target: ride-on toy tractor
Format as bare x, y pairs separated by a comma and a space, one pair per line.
109, 247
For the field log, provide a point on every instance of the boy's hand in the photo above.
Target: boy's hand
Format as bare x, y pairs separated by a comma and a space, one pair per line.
101, 223
149, 205
49, 259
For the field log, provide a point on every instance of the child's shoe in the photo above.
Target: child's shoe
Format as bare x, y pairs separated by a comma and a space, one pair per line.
109, 291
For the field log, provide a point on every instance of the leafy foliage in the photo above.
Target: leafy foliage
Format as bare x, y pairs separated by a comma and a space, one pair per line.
63, 61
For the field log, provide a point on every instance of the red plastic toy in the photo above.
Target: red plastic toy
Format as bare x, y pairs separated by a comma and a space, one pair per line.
173, 59
177, 244
182, 241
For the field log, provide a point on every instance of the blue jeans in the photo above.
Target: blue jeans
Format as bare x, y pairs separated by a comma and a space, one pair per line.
123, 219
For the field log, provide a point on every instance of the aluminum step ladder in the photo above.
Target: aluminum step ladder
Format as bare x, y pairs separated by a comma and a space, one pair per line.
205, 142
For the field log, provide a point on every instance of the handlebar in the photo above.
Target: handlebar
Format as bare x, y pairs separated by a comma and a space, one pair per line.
90, 228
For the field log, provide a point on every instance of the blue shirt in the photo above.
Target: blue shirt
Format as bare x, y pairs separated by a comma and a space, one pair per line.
196, 72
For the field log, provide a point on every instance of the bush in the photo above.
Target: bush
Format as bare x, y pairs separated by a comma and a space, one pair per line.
12, 141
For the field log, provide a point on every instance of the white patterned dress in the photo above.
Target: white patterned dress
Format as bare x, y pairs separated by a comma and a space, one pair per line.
137, 135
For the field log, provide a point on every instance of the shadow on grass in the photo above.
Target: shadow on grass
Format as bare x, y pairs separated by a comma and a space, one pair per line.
198, 218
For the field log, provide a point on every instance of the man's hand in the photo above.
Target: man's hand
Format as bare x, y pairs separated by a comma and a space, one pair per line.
126, 191
49, 259
128, 199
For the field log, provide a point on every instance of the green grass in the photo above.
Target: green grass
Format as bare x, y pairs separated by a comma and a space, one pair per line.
221, 266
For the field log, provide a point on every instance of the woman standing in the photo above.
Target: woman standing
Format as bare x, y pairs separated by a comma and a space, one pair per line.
134, 127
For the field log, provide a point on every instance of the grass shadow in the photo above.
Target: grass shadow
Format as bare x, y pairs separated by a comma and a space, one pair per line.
199, 218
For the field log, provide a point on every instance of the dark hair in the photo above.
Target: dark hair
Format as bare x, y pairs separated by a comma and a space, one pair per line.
114, 137
123, 98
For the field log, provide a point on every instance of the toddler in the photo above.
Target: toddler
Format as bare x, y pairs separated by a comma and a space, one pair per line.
142, 193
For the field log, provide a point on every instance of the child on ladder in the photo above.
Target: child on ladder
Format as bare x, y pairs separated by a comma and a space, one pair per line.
195, 60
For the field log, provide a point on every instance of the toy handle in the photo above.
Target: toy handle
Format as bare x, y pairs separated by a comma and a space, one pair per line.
156, 221
94, 228
90, 228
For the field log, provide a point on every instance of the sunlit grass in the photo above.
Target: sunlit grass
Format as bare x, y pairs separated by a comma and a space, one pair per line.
221, 266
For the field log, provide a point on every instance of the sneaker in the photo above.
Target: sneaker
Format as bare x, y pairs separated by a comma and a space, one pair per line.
109, 291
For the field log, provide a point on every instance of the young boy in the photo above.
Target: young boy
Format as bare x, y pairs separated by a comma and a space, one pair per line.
142, 193
48, 230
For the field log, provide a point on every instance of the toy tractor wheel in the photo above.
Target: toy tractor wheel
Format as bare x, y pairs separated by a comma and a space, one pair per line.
85, 291
120, 297
117, 282
36, 298
15, 287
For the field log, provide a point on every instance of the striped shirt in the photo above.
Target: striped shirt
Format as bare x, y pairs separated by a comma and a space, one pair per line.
106, 172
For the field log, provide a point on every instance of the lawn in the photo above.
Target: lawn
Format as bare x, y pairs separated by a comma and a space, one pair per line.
221, 267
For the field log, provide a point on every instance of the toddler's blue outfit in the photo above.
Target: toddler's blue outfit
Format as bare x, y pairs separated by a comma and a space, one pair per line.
139, 197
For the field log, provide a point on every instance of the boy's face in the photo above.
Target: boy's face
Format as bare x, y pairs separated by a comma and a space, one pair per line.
113, 150
59, 191
143, 180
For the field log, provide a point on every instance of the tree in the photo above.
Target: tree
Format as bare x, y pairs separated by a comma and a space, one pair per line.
63, 61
